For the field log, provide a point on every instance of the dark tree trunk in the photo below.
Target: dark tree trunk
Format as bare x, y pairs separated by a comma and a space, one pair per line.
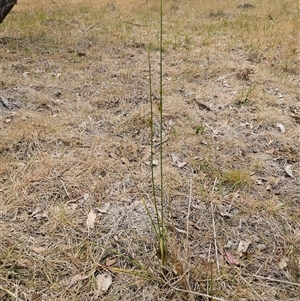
5, 8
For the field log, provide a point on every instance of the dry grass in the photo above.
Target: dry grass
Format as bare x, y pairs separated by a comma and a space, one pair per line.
75, 138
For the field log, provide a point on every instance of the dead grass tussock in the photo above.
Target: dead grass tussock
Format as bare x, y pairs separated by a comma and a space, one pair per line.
75, 138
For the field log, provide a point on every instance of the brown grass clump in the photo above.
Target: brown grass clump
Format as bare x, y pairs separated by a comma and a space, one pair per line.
75, 145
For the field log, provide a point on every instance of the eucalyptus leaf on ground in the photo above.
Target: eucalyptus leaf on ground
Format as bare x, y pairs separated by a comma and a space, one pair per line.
103, 282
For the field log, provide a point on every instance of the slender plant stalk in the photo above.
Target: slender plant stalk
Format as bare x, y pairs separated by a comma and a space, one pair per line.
159, 227
162, 241
152, 148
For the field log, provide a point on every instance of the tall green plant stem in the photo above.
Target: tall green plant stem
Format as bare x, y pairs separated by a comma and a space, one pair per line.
158, 226
161, 230
156, 229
